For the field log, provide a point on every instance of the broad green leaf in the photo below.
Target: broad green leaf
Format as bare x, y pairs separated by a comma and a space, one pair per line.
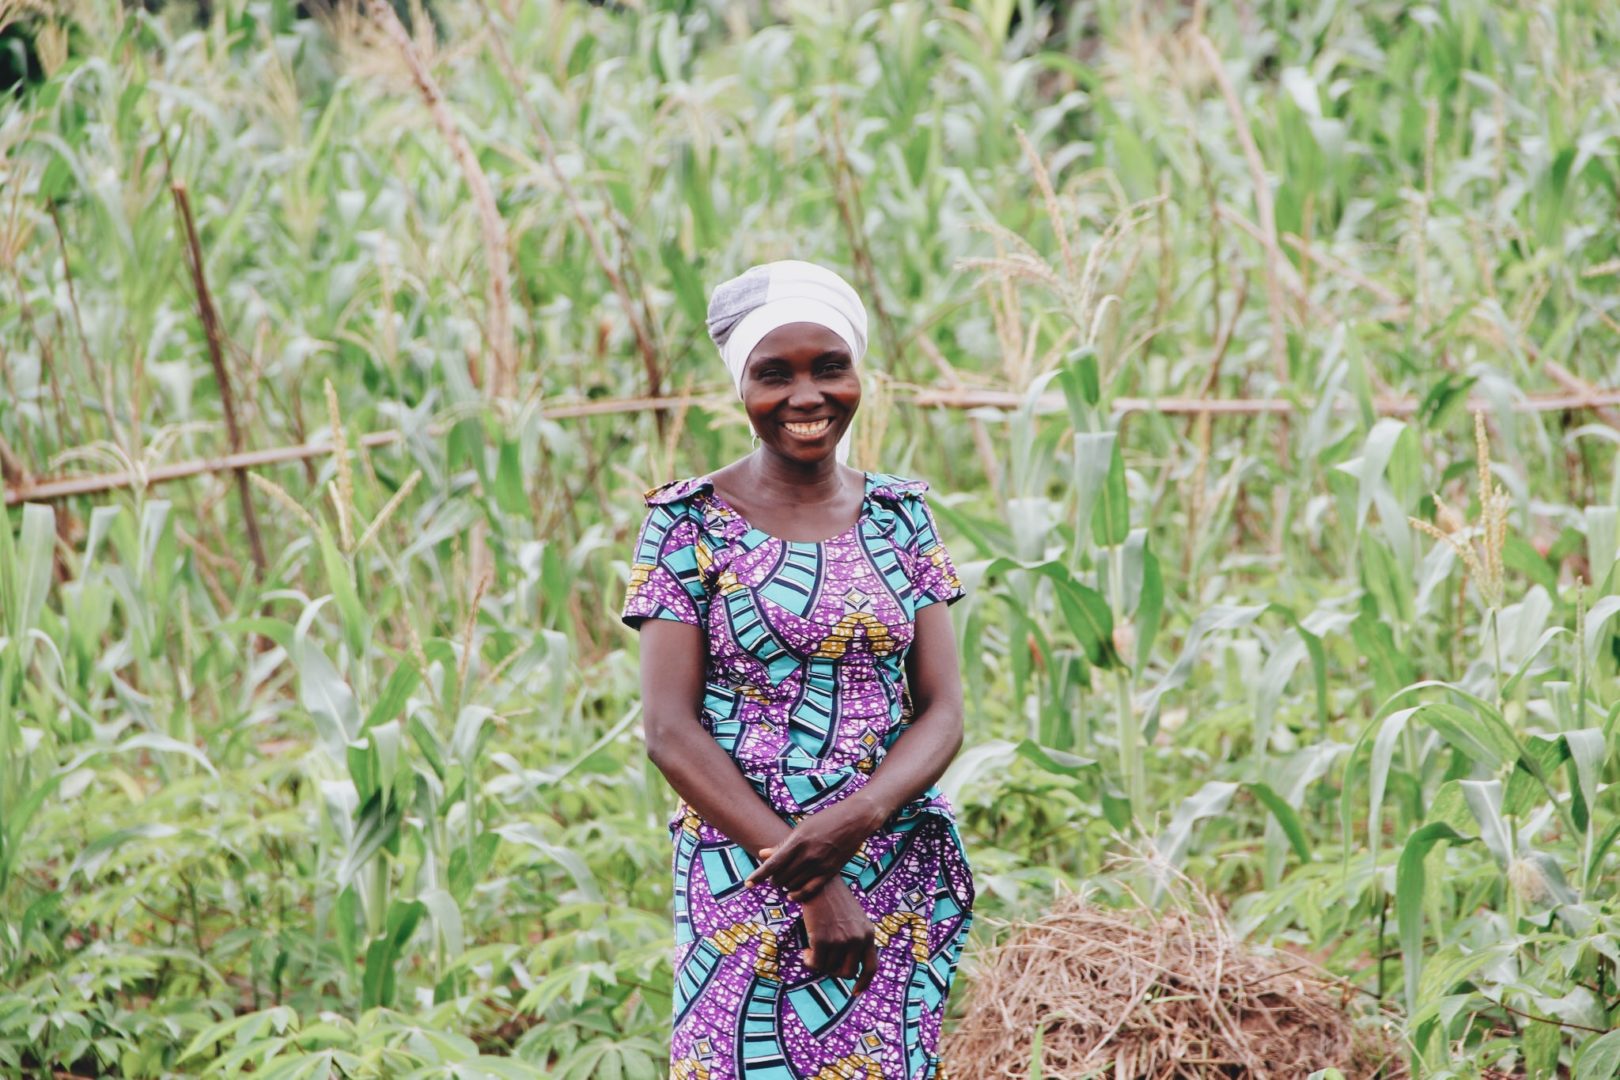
1286, 817
1110, 519
152, 740
25, 570
1484, 799
1410, 882
1599, 1057
1093, 458
1541, 1041
1602, 539
1597, 621
1368, 469
340, 576
1486, 742
89, 861
1587, 752
1211, 799
325, 696
375, 827
470, 732
527, 833
1383, 755
1149, 609
396, 692
509, 493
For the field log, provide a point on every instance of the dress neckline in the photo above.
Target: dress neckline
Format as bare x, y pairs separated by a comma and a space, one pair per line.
860, 515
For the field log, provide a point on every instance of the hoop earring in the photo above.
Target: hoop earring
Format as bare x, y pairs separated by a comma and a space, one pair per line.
755, 444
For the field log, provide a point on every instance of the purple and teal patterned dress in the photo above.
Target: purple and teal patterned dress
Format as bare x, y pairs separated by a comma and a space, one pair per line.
806, 691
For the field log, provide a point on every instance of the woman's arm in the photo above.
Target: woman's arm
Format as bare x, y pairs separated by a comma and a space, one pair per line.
702, 774
817, 849
842, 938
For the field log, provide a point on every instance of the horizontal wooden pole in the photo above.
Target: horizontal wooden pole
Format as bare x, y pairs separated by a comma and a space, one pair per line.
66, 487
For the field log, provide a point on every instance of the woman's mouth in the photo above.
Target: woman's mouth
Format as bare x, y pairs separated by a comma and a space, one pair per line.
811, 430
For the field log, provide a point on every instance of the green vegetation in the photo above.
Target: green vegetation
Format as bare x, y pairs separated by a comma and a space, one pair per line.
383, 808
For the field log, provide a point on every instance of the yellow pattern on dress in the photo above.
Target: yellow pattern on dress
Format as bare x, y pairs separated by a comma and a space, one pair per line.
850, 1067
834, 645
942, 561
896, 921
735, 936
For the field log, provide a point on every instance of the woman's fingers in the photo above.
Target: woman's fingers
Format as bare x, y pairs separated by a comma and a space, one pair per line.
868, 967
766, 867
810, 889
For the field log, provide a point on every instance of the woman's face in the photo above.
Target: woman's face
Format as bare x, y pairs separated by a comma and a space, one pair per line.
801, 391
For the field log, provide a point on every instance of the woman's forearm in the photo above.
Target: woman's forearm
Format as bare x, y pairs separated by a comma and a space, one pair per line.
914, 764
708, 780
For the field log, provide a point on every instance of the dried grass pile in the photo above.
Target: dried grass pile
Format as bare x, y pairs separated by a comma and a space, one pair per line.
1127, 996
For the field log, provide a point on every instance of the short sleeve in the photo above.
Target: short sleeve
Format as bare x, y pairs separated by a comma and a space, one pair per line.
933, 575
666, 577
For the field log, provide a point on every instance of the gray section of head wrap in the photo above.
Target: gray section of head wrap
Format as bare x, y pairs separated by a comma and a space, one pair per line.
735, 298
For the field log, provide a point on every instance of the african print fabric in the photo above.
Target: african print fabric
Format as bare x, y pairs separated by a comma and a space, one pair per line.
806, 691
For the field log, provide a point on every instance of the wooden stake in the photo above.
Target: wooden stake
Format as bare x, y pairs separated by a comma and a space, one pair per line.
216, 357
67, 487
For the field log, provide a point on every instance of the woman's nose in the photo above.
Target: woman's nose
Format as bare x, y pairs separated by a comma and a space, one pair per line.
804, 392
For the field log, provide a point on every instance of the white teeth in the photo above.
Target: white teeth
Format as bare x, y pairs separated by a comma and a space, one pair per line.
809, 429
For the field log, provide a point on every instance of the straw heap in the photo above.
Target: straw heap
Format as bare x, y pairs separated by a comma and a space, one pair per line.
1133, 995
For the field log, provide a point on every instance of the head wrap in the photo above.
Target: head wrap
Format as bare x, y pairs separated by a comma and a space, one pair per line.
760, 299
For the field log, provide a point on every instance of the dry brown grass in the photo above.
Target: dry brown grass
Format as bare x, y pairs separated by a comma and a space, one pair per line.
1130, 994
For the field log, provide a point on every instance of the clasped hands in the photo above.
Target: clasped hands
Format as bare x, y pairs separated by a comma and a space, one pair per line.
813, 854
806, 866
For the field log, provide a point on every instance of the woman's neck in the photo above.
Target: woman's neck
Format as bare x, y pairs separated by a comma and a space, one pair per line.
775, 475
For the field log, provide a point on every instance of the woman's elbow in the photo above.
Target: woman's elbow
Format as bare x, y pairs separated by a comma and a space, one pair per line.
955, 734
946, 725
663, 743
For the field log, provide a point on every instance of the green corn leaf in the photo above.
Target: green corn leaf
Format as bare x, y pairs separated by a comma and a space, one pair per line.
1111, 519
340, 578
375, 827
1211, 799
1287, 817
1488, 743
1410, 882
1149, 609
1588, 750
1597, 621
25, 569
427, 742
1484, 799
509, 493
396, 692
1383, 755
1093, 460
325, 696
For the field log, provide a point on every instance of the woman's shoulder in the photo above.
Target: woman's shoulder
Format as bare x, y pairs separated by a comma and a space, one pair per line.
677, 491
898, 489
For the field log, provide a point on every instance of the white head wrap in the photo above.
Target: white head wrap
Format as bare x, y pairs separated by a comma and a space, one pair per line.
760, 299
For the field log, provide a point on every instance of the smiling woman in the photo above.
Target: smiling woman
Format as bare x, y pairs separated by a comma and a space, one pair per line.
802, 696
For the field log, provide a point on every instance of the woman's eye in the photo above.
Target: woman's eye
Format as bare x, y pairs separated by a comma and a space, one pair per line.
833, 367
